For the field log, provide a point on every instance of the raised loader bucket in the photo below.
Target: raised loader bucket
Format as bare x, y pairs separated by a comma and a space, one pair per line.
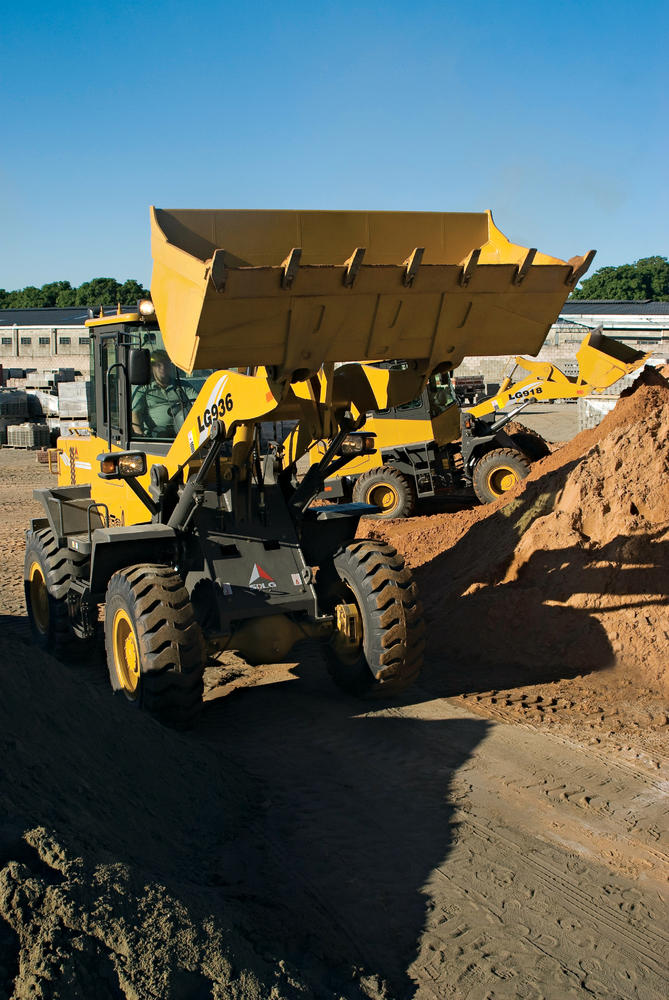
602, 360
293, 290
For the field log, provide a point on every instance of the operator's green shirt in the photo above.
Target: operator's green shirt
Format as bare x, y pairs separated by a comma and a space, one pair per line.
160, 410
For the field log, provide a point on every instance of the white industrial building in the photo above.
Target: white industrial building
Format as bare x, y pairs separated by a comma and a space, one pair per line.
44, 340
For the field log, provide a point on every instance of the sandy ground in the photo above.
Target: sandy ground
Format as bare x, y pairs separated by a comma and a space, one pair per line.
487, 836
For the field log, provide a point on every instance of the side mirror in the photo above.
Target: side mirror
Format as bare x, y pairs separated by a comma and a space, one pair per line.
139, 366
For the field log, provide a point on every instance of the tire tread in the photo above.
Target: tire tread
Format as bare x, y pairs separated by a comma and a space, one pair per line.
170, 640
393, 623
387, 474
487, 462
58, 565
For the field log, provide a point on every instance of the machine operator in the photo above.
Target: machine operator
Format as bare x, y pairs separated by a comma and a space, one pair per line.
159, 408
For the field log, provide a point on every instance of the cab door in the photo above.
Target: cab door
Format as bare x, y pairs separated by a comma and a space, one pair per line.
112, 390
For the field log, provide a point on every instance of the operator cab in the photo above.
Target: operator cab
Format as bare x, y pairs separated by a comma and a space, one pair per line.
138, 398
437, 397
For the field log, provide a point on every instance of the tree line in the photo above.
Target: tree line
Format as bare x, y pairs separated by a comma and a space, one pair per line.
647, 278
60, 294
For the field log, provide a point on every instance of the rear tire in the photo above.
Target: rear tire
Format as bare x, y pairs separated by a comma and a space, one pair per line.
372, 578
497, 472
388, 489
47, 575
155, 648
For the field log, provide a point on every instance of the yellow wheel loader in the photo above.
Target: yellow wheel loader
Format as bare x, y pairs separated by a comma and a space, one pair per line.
431, 445
168, 518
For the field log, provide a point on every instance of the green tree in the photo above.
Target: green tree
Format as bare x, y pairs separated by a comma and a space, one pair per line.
66, 297
29, 297
108, 292
647, 278
131, 291
58, 293
98, 292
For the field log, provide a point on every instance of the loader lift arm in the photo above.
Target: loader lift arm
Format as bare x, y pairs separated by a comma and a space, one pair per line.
491, 457
601, 362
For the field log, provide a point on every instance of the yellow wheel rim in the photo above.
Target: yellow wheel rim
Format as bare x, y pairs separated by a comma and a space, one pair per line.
348, 634
384, 496
126, 653
39, 598
502, 479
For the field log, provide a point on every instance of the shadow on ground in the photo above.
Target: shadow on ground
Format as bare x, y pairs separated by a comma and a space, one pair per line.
282, 846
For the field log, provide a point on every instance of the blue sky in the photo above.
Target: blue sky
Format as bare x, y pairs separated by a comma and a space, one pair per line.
554, 115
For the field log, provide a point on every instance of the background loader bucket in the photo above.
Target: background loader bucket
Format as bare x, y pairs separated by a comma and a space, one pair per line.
296, 289
602, 360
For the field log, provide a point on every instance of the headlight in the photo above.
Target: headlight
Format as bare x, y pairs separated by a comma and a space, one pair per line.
145, 307
132, 465
122, 465
358, 444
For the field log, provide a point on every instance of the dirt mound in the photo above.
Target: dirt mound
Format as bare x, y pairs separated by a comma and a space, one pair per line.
566, 574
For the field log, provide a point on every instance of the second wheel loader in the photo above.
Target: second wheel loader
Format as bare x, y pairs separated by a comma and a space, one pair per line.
432, 445
169, 523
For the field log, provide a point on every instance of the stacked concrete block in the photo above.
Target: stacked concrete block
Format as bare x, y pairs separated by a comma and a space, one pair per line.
72, 399
42, 404
28, 436
593, 409
13, 410
277, 430
6, 422
13, 403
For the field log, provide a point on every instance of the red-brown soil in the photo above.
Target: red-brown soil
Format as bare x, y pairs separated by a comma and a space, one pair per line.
552, 602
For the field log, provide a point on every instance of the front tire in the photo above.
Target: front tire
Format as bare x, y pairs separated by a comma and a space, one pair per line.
154, 646
388, 489
497, 472
377, 650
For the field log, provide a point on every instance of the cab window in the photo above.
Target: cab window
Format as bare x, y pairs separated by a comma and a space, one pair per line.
414, 404
109, 372
159, 409
440, 394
